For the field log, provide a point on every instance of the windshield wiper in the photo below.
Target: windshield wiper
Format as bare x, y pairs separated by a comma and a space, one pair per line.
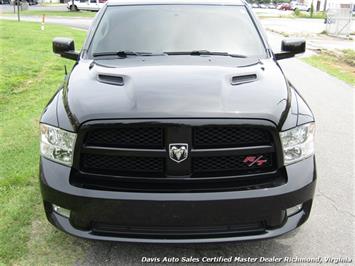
125, 54
122, 54
205, 52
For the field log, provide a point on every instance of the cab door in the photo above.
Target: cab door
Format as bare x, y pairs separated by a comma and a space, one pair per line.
101, 3
82, 4
93, 5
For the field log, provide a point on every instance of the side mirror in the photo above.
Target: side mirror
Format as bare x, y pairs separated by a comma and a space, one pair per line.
290, 47
65, 47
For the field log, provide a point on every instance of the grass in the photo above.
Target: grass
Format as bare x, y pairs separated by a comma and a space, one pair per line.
54, 13
303, 14
341, 64
285, 34
293, 15
349, 57
30, 74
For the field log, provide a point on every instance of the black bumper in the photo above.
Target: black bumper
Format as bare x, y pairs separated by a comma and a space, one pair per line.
178, 217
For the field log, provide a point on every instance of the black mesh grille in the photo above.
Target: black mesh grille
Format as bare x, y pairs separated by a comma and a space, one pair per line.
223, 165
226, 137
127, 137
188, 232
135, 157
132, 166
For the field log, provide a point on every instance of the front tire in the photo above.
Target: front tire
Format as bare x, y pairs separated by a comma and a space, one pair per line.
73, 8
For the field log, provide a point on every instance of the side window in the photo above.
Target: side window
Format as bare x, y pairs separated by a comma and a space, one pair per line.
93, 1
83, 1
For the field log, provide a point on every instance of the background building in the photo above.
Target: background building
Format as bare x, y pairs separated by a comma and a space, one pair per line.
323, 5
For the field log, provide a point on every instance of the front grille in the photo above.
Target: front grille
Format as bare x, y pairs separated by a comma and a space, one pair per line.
178, 232
226, 137
135, 157
120, 165
224, 165
127, 137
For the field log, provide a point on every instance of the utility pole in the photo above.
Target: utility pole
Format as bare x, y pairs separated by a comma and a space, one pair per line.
325, 6
18, 10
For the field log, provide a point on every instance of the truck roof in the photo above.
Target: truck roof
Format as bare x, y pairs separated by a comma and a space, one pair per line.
177, 2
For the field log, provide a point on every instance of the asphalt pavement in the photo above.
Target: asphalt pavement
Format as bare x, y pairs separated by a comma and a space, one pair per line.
329, 231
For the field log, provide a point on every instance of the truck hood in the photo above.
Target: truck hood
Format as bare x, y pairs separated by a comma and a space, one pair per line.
176, 87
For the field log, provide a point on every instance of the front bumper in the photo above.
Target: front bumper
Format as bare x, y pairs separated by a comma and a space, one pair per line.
178, 217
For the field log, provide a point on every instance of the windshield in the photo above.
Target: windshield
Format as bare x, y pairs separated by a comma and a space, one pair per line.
177, 28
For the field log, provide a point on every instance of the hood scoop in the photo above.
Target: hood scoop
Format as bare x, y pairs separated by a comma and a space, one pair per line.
110, 79
240, 79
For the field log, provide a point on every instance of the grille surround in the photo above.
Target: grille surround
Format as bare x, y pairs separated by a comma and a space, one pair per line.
178, 185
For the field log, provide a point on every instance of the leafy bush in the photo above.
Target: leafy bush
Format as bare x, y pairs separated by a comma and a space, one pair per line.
349, 57
297, 12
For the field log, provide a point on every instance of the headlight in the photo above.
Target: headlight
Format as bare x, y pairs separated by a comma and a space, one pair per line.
57, 144
298, 143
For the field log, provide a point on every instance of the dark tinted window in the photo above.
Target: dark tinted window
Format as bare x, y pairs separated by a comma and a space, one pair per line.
177, 28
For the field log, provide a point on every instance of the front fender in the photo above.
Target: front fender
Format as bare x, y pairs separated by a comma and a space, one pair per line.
55, 113
299, 112
49, 114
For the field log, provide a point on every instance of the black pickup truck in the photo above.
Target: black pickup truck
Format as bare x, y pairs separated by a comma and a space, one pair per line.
177, 125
